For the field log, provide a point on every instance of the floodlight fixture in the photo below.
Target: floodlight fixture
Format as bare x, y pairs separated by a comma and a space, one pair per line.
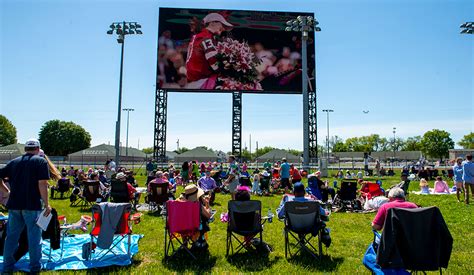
467, 28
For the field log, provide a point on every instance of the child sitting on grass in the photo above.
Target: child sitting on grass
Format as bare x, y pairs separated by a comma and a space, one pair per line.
425, 188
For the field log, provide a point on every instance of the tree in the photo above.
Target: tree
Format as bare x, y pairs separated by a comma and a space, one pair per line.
148, 150
295, 152
436, 143
467, 141
412, 144
7, 132
60, 138
339, 147
397, 144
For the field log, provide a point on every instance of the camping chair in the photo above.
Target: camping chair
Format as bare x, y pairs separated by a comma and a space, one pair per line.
158, 195
90, 194
62, 188
346, 196
302, 223
123, 230
245, 180
374, 190
245, 219
119, 191
183, 220
415, 239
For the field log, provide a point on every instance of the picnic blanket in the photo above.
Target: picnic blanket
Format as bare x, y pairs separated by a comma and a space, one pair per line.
72, 255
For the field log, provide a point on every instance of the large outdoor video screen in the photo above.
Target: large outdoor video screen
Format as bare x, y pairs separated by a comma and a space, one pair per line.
204, 50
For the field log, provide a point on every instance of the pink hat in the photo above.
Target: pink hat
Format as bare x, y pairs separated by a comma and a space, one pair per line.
244, 188
215, 17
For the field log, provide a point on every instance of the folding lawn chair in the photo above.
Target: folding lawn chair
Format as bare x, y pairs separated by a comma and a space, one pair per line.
119, 191
64, 185
245, 219
183, 220
374, 190
90, 194
158, 195
346, 196
415, 239
123, 230
302, 223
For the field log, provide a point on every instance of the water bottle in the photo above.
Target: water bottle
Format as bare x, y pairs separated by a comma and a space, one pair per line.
335, 184
270, 215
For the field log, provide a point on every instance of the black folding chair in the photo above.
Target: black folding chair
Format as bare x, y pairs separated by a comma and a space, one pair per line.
158, 195
63, 187
415, 239
346, 196
302, 223
119, 191
90, 194
245, 219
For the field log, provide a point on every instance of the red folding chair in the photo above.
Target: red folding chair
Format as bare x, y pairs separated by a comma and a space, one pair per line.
124, 230
182, 224
374, 190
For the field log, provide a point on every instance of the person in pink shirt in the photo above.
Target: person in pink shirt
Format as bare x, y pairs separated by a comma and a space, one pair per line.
397, 199
440, 186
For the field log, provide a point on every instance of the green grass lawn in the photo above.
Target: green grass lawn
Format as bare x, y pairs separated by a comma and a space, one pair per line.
350, 232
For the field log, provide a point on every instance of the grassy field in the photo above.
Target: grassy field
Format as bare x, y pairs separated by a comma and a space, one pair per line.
350, 234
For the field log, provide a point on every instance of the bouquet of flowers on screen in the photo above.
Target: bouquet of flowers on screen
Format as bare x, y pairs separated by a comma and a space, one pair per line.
237, 66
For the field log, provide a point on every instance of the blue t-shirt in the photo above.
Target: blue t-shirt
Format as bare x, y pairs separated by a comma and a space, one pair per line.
457, 171
23, 175
468, 172
285, 170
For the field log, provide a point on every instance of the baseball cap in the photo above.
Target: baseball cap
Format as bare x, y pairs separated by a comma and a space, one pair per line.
213, 17
298, 187
32, 143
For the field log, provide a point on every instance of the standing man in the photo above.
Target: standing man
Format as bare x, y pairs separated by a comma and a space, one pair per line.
233, 174
285, 175
468, 177
201, 64
28, 177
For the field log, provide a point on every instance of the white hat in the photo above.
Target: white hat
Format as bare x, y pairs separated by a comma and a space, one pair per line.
120, 176
32, 143
213, 17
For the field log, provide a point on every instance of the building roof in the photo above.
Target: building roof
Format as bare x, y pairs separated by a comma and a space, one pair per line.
108, 150
198, 153
13, 149
278, 154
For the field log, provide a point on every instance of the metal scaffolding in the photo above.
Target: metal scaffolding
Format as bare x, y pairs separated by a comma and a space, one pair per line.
237, 124
161, 106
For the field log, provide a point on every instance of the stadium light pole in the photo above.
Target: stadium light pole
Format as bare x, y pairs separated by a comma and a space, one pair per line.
394, 131
122, 29
128, 110
467, 28
304, 24
327, 111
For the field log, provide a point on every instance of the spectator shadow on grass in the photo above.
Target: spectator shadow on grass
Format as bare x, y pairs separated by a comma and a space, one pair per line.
183, 262
116, 269
251, 261
325, 264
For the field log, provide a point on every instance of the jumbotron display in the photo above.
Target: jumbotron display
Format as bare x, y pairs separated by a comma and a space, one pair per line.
202, 50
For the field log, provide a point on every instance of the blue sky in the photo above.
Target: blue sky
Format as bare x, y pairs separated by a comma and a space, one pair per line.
405, 61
